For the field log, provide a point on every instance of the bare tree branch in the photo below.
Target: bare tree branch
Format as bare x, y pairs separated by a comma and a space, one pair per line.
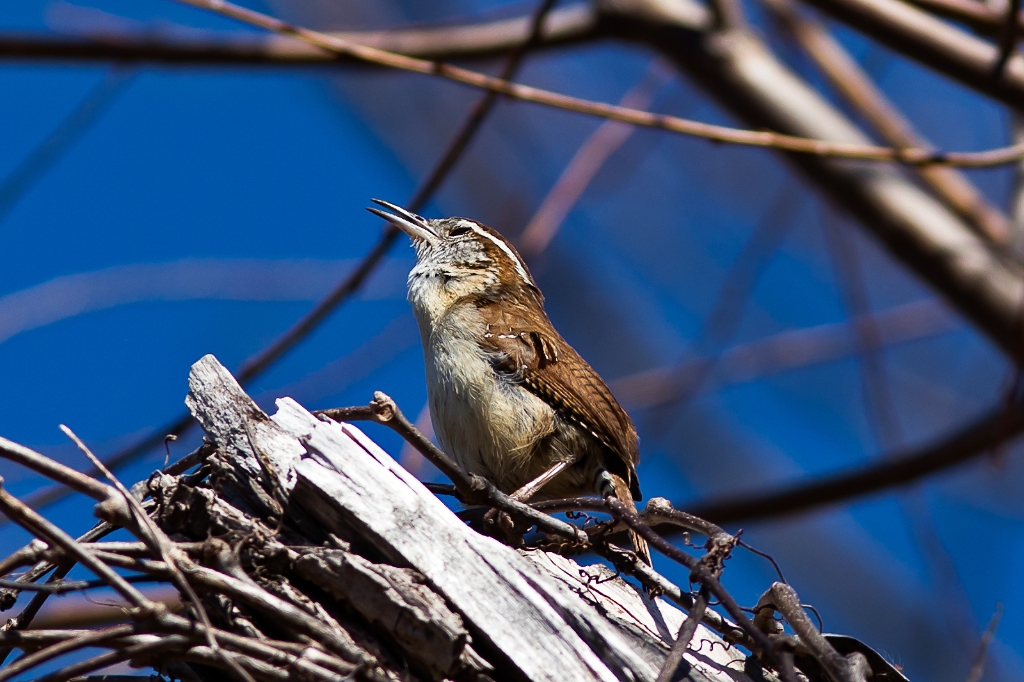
981, 17
338, 44
740, 71
843, 72
978, 667
975, 440
934, 43
130, 42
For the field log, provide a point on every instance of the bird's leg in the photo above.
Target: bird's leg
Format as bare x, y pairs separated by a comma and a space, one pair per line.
525, 493
533, 487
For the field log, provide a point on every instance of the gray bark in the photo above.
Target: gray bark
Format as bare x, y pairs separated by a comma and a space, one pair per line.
453, 602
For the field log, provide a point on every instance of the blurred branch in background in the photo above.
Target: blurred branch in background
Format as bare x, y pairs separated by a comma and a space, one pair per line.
62, 139
783, 352
798, 144
883, 418
977, 439
934, 43
879, 405
722, 322
978, 667
982, 17
857, 88
587, 161
95, 36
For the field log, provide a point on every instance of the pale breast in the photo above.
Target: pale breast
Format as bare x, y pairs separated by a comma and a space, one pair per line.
488, 423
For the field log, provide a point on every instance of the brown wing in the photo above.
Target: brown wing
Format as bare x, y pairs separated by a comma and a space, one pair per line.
532, 351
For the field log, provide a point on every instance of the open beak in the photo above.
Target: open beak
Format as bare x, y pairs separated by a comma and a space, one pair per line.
408, 222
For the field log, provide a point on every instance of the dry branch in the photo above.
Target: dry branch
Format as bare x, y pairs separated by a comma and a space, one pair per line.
934, 43
792, 143
868, 100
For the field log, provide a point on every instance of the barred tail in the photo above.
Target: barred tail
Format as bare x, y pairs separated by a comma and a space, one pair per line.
620, 489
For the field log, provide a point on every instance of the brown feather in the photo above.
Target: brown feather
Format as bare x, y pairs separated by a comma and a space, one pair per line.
528, 347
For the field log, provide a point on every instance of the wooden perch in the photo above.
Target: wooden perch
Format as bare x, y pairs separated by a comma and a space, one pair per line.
543, 615
299, 550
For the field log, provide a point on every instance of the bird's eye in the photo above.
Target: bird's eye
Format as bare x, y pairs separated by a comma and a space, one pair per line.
458, 231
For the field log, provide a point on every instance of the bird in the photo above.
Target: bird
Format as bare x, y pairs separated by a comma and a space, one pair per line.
509, 398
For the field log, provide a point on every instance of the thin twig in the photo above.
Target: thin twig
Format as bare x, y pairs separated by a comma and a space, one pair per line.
628, 563
686, 632
723, 134
59, 142
147, 531
149, 647
64, 586
86, 639
850, 668
471, 489
9, 596
31, 610
119, 459
77, 481
26, 556
55, 537
699, 571
978, 667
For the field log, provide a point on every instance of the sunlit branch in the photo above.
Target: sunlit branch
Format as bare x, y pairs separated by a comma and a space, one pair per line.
637, 117
935, 43
981, 17
857, 88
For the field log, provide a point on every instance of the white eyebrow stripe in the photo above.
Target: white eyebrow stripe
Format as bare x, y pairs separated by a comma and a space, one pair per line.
504, 247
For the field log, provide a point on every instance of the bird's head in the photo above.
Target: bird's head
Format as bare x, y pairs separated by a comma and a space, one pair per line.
458, 257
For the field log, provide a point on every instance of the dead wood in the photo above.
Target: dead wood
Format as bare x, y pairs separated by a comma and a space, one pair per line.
301, 550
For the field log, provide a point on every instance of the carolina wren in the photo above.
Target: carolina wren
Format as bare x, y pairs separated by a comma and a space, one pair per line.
510, 400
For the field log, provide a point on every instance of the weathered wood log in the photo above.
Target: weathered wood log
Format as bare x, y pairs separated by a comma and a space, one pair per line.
364, 547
